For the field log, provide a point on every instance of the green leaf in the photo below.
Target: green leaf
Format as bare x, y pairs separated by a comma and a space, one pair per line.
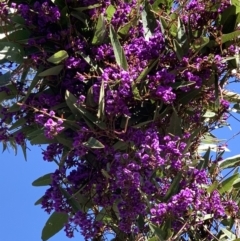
187, 97
203, 164
229, 234
52, 71
110, 12
40, 139
231, 10
147, 69
39, 201
101, 102
173, 189
71, 200
231, 96
88, 59
11, 51
230, 162
10, 95
124, 30
178, 49
20, 36
58, 57
100, 32
230, 36
33, 84
175, 124
236, 183
227, 184
97, 5
93, 143
209, 114
120, 145
148, 21
19, 123
213, 187
43, 180
54, 224
181, 33
118, 50
200, 43
135, 92
5, 78
182, 84
61, 138
88, 117
80, 16
157, 231
90, 98
24, 150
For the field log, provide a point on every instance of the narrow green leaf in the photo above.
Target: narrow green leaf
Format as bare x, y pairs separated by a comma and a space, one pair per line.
24, 150
101, 102
124, 30
213, 187
182, 84
147, 69
20, 36
100, 32
51, 71
236, 183
203, 164
88, 59
227, 184
110, 12
58, 57
181, 33
178, 49
231, 96
230, 162
40, 139
97, 5
34, 83
44, 180
135, 92
174, 187
175, 124
39, 201
54, 224
15, 107
120, 145
157, 231
230, 36
105, 174
11, 51
61, 138
209, 114
19, 123
93, 143
231, 10
148, 21
118, 50
229, 234
200, 43
80, 16
92, 120
5, 78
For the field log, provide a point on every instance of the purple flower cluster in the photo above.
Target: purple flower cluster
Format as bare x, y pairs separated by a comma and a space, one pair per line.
131, 132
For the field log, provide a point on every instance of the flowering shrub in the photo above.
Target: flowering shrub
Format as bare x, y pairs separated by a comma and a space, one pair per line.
125, 95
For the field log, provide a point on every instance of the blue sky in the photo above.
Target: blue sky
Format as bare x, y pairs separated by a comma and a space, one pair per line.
20, 220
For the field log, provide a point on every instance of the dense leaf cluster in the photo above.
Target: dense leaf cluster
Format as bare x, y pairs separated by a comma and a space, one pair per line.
125, 95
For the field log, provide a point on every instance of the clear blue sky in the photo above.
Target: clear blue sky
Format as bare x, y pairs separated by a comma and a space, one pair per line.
20, 220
